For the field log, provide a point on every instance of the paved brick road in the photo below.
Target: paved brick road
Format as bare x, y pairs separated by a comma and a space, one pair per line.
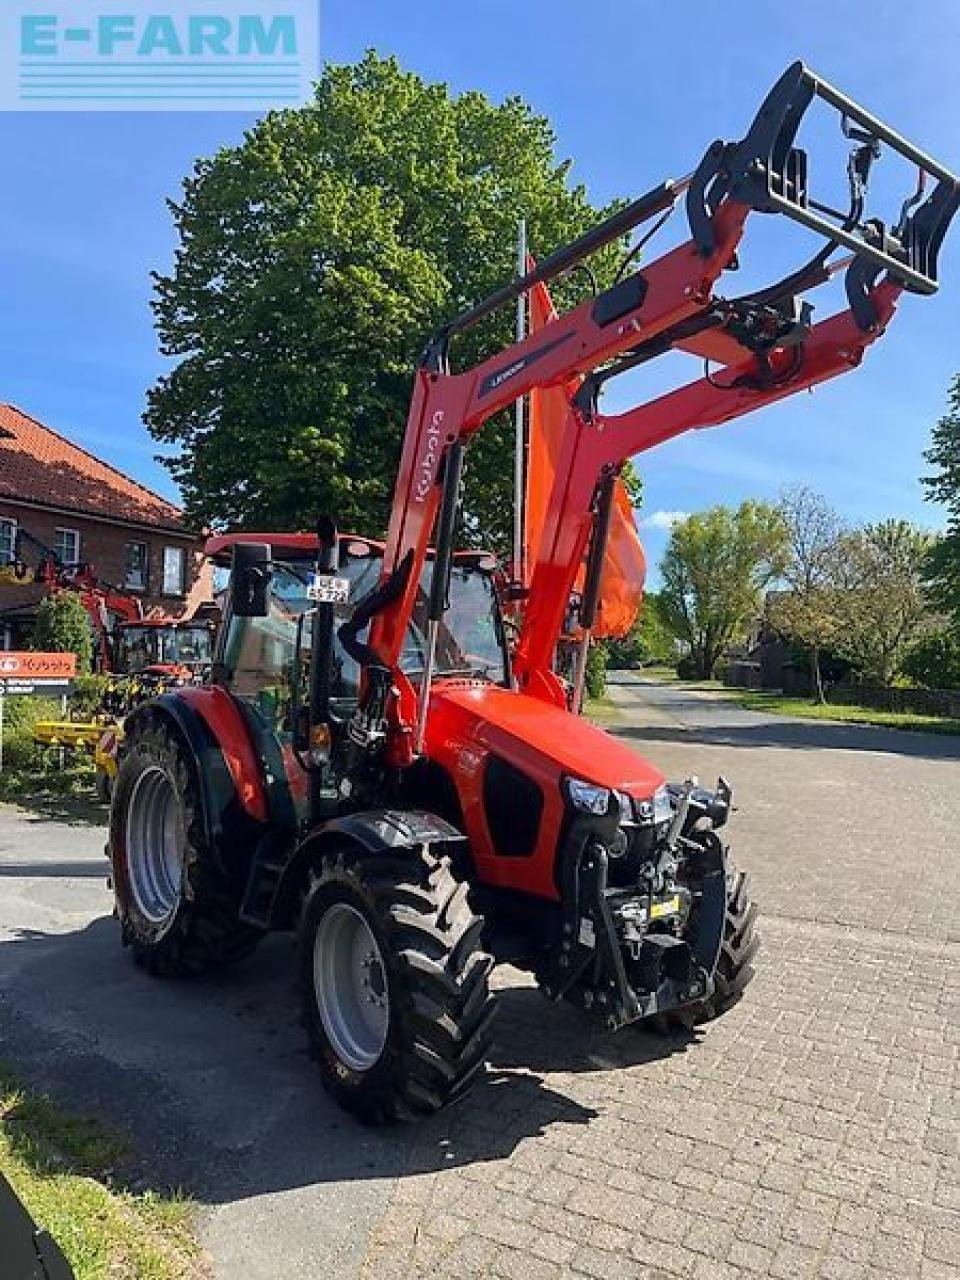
814, 1131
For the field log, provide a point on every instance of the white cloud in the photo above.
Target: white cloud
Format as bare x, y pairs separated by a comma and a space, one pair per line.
663, 519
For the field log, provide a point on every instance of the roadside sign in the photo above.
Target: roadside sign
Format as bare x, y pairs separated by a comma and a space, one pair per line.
35, 688
26, 674
16, 665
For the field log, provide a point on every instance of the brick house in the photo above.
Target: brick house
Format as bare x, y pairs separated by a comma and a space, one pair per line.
88, 512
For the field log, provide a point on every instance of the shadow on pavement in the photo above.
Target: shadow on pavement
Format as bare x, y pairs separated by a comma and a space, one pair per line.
212, 1082
537, 1036
81, 868
801, 735
46, 806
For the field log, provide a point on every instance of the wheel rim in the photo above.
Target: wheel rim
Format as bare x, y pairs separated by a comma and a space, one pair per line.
156, 841
350, 983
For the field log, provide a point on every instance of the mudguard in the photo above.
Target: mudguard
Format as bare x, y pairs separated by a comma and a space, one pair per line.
377, 831
228, 824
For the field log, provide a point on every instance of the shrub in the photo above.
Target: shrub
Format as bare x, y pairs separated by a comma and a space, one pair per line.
596, 673
86, 698
934, 661
23, 713
62, 626
20, 752
686, 668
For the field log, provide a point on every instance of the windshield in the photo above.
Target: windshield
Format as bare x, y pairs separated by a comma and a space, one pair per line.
193, 646
141, 647
259, 652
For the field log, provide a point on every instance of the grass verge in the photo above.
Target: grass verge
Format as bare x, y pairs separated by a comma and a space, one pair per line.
604, 710
66, 1170
800, 707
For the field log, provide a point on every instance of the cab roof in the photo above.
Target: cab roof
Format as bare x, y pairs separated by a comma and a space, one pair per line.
286, 546
295, 546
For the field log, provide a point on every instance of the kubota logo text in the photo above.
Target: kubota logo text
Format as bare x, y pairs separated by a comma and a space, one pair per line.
428, 463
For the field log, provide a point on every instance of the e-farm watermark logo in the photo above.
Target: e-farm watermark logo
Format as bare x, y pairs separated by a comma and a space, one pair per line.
156, 55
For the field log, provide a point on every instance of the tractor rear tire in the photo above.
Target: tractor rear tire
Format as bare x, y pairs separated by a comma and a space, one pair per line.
178, 910
734, 971
396, 999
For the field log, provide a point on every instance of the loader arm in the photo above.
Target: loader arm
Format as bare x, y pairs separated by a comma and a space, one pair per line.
763, 338
596, 445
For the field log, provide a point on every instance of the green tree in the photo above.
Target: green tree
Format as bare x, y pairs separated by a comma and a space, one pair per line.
715, 569
649, 639
942, 565
934, 661
805, 611
62, 626
314, 261
880, 604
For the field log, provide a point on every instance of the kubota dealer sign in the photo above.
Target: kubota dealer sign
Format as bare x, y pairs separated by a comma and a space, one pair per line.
37, 666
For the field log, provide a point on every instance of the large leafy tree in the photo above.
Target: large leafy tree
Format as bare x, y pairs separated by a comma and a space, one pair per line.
806, 610
714, 570
649, 639
943, 485
314, 261
880, 606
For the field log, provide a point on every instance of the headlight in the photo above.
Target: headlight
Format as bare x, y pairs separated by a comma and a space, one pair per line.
662, 805
658, 809
588, 798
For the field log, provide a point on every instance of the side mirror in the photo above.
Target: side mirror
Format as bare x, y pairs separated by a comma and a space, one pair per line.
250, 580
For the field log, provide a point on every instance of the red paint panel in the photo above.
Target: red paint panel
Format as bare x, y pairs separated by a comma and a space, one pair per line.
222, 717
468, 723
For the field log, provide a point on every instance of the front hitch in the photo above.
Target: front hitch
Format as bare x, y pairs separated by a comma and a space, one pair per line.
631, 953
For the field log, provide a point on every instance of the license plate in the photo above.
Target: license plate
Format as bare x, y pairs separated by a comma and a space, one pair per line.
325, 589
668, 907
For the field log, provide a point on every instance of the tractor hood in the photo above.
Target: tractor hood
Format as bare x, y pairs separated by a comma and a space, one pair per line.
514, 725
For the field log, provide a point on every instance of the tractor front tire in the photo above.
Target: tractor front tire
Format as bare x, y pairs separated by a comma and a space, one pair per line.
178, 910
396, 998
734, 970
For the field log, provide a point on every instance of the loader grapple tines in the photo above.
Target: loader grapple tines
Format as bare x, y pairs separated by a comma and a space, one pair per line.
767, 172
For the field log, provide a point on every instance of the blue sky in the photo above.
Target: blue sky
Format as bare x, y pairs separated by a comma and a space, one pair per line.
635, 91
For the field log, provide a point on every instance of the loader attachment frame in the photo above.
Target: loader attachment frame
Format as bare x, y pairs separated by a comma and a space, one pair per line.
767, 172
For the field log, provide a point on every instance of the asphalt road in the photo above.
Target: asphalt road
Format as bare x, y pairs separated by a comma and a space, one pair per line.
814, 1131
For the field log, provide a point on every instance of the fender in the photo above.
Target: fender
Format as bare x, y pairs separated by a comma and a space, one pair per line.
376, 831
225, 721
228, 825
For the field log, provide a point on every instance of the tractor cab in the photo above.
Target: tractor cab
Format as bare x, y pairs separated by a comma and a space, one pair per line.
265, 661
164, 647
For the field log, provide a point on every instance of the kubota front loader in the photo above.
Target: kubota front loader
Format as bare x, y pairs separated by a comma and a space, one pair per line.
370, 767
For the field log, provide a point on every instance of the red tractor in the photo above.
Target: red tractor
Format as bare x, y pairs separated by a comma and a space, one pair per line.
373, 767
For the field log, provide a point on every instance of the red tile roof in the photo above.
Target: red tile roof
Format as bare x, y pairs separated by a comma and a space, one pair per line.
41, 467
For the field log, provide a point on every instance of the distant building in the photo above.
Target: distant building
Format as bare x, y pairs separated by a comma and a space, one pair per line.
86, 511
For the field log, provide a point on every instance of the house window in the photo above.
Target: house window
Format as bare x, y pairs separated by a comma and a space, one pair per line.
66, 546
174, 571
135, 573
8, 541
